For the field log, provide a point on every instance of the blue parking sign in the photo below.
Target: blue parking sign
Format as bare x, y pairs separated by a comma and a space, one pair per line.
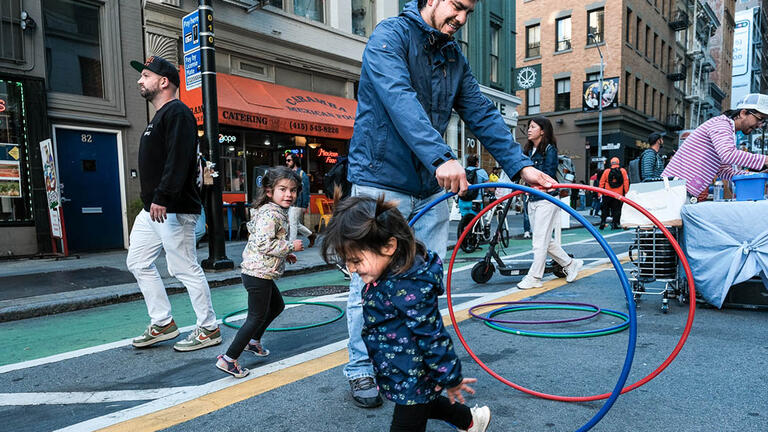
193, 69
190, 26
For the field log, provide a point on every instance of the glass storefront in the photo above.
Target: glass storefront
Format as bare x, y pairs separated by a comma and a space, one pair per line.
15, 188
246, 151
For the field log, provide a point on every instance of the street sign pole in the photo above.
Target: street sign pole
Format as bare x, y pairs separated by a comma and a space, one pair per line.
217, 256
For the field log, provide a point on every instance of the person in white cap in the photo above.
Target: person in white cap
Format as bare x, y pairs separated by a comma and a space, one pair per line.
710, 150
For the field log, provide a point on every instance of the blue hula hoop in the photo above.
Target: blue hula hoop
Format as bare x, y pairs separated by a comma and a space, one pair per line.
616, 265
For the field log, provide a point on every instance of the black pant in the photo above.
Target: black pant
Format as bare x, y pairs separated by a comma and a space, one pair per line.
265, 303
413, 418
610, 206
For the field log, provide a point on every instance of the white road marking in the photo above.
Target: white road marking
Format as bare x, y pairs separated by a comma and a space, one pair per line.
68, 398
125, 342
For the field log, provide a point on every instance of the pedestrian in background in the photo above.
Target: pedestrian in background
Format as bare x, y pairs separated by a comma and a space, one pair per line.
264, 258
545, 216
168, 172
615, 179
403, 331
397, 148
651, 164
301, 207
594, 180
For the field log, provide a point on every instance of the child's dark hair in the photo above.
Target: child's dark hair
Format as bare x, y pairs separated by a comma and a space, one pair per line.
270, 179
367, 224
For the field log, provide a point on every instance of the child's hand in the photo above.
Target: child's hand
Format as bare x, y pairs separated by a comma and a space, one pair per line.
298, 245
454, 393
291, 258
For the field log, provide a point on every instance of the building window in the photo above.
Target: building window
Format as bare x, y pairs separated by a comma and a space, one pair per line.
595, 25
653, 102
638, 26
363, 17
12, 48
628, 35
645, 98
494, 54
533, 41
627, 79
15, 197
463, 40
662, 54
563, 94
647, 39
594, 76
73, 47
655, 43
638, 88
533, 101
311, 9
563, 27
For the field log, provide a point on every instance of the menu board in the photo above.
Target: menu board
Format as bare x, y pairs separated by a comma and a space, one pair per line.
10, 170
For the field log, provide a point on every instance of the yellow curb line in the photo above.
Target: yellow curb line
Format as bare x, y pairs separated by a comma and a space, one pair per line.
217, 400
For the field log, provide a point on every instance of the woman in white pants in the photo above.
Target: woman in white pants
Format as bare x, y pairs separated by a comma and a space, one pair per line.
544, 215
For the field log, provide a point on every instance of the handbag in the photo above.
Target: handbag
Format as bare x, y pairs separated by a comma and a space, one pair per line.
663, 199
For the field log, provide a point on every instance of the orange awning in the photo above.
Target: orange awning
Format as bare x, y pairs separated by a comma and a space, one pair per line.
260, 105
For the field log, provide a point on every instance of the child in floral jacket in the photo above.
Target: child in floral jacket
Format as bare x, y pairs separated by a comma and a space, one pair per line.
411, 351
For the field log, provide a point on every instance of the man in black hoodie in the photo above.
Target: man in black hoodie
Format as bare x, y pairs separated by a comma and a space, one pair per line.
168, 174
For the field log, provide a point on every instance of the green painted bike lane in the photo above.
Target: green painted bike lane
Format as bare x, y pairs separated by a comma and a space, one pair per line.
36, 338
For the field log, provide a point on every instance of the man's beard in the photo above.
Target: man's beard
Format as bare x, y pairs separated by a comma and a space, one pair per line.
148, 94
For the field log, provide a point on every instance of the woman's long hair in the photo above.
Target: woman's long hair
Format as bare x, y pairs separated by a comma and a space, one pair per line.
269, 181
548, 138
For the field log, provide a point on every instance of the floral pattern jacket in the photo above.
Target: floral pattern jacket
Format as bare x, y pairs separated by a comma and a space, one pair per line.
410, 348
268, 245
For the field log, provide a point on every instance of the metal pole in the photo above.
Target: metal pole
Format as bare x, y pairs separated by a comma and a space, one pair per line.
217, 253
600, 164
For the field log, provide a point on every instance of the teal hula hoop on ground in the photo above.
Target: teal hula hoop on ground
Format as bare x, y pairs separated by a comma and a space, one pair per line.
564, 335
282, 329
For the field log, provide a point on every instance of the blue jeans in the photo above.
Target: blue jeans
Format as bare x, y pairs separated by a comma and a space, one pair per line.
526, 219
431, 229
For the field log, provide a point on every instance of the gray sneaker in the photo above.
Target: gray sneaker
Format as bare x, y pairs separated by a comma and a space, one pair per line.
365, 392
199, 339
155, 333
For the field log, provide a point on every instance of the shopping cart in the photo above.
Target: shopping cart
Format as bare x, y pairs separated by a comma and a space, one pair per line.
655, 262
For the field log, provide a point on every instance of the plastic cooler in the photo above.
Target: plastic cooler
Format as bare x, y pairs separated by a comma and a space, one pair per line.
749, 187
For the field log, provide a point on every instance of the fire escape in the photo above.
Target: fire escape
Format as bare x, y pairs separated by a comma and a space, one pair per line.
698, 93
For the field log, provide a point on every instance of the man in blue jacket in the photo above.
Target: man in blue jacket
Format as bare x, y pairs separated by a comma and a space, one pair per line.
413, 76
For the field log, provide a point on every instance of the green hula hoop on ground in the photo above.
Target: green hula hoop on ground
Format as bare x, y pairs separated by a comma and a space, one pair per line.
569, 335
282, 329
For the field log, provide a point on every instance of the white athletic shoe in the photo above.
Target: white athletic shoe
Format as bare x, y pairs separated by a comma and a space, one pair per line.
529, 282
572, 269
481, 417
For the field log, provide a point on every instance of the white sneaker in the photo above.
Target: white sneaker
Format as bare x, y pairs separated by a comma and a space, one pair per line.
527, 234
529, 282
572, 269
481, 417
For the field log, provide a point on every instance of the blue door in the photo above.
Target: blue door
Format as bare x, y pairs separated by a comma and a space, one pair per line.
90, 189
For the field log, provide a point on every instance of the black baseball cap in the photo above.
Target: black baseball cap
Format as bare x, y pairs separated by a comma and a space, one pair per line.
655, 136
159, 66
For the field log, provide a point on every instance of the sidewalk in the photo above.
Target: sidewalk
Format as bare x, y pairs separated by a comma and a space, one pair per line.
37, 287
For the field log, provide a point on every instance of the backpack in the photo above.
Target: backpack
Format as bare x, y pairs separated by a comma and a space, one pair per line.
471, 179
337, 177
615, 179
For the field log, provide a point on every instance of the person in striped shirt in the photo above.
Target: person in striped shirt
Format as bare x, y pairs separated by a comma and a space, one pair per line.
710, 150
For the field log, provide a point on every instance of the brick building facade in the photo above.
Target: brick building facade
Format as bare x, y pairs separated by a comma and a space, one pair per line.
656, 50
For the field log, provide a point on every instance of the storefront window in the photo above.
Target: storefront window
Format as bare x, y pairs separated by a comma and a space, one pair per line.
73, 48
312, 9
15, 193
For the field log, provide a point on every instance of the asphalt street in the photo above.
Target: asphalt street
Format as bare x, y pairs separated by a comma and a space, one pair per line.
76, 371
